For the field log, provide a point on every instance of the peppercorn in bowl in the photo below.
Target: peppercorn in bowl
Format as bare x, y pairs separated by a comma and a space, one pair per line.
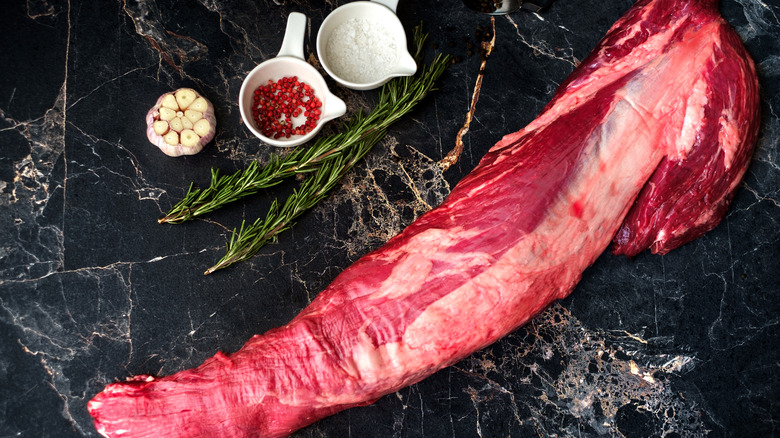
284, 101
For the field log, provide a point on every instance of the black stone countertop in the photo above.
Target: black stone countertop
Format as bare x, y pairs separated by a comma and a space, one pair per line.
93, 290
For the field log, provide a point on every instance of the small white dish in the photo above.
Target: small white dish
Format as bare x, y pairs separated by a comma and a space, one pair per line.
380, 12
289, 62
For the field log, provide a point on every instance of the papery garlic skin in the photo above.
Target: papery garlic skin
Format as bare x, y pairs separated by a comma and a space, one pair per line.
181, 122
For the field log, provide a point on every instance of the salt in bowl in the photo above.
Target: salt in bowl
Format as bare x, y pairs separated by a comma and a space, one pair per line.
362, 45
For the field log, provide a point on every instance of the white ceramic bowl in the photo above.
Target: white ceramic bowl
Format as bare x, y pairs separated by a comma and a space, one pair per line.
289, 62
381, 11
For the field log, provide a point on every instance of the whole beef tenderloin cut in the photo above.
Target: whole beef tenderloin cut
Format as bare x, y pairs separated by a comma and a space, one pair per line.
647, 141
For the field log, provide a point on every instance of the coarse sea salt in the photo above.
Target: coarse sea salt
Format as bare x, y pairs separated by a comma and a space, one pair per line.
361, 50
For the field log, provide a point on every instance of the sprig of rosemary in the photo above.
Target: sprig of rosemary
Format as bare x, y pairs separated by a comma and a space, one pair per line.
250, 239
397, 98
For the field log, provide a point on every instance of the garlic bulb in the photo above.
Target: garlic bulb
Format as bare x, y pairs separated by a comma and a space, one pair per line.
181, 122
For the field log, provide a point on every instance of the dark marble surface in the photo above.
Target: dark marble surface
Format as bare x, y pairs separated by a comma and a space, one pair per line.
92, 289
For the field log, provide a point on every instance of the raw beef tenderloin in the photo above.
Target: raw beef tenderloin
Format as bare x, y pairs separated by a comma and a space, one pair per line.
645, 143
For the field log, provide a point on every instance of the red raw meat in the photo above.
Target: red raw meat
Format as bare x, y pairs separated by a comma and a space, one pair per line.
647, 141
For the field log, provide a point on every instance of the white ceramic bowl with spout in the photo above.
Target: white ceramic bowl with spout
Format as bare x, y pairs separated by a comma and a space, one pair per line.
289, 62
381, 13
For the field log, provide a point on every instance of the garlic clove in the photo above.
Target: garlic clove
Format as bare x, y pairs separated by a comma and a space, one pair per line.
160, 127
200, 104
193, 115
186, 123
169, 101
167, 114
184, 97
172, 138
182, 122
202, 127
176, 124
189, 138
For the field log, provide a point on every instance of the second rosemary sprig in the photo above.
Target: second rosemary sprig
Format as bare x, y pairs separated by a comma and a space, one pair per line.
248, 240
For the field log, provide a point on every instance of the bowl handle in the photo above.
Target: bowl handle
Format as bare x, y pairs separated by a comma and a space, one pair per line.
406, 65
292, 44
334, 107
392, 4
